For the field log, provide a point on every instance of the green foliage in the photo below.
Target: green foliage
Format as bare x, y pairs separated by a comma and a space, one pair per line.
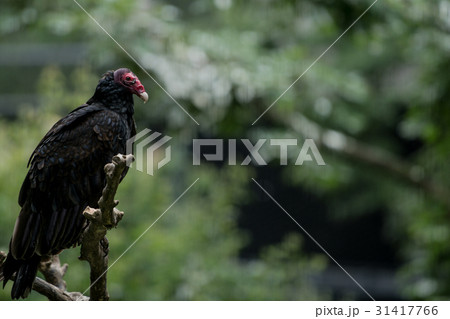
384, 84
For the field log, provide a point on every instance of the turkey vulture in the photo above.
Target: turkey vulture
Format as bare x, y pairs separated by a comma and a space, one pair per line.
66, 175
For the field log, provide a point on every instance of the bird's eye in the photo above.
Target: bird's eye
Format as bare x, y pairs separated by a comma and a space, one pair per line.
128, 78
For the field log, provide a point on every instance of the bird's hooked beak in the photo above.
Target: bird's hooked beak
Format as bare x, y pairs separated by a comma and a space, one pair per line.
140, 90
143, 96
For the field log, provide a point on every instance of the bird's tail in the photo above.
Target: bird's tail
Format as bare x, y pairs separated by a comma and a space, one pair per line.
25, 271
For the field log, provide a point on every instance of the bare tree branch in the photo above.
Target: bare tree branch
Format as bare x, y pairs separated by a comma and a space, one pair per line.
2, 260
50, 291
53, 271
94, 245
47, 289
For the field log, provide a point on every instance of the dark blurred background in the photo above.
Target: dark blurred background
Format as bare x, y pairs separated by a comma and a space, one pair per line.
376, 105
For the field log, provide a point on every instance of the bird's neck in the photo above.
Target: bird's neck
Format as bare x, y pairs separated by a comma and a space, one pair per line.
120, 102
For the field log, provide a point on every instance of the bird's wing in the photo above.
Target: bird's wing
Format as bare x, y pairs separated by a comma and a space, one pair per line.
65, 123
66, 174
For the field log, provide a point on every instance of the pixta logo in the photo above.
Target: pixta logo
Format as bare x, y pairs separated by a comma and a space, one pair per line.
146, 150
306, 153
152, 152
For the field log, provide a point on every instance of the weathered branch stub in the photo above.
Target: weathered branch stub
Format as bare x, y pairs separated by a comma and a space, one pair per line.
94, 245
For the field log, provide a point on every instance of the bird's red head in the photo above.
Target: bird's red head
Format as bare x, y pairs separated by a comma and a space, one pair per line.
127, 78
